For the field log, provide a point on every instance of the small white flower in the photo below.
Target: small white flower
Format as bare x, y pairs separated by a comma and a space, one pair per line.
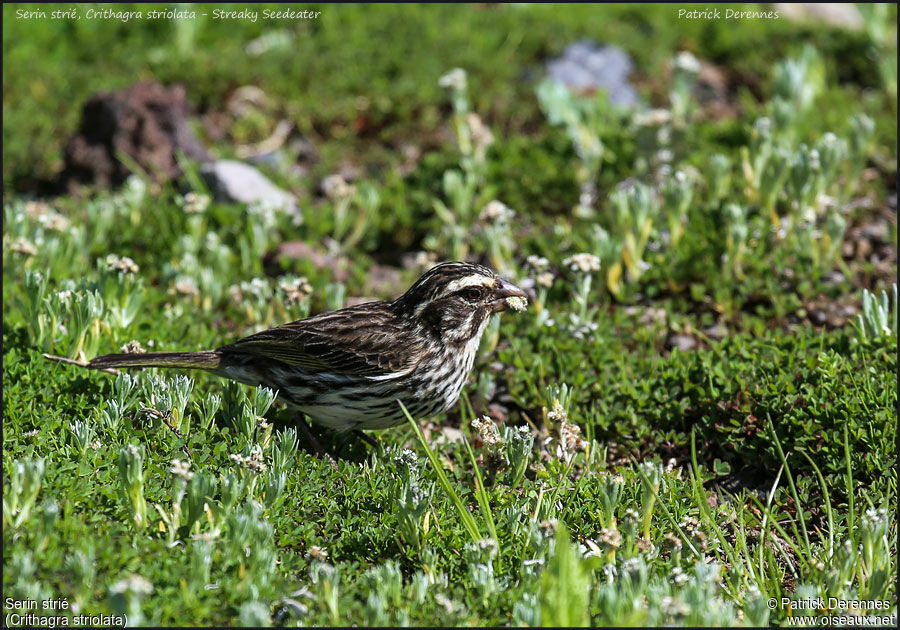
455, 80
687, 62
336, 188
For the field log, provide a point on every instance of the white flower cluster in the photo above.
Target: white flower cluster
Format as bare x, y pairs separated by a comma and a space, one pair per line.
677, 576
186, 286
687, 62
487, 431
496, 212
540, 270
653, 118
455, 80
582, 263
133, 347
336, 188
194, 203
257, 288
253, 462
46, 216
123, 264
23, 246
295, 289
181, 469
570, 439
134, 584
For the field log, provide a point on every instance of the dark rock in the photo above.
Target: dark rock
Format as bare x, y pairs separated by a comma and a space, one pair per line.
148, 122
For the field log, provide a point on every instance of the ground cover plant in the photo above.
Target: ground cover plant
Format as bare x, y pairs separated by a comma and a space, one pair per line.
693, 423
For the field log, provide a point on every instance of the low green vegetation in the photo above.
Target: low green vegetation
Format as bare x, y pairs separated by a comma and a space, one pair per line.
696, 414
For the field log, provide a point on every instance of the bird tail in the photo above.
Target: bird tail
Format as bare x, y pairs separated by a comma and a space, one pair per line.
208, 360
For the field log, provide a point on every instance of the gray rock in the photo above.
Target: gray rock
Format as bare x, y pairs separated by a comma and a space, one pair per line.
584, 66
231, 181
840, 14
717, 331
685, 343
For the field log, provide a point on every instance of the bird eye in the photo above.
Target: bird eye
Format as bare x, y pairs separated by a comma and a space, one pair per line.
473, 293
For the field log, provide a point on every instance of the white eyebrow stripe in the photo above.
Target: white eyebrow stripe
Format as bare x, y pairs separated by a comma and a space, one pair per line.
469, 281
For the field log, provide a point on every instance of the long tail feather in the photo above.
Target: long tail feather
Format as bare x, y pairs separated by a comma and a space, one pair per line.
189, 360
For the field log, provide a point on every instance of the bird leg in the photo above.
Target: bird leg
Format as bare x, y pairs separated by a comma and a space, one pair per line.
368, 439
314, 441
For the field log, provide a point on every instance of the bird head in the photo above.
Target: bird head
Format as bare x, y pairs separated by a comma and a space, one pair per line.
455, 300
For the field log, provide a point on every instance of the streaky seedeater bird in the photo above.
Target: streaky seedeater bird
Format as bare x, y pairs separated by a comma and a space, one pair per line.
348, 369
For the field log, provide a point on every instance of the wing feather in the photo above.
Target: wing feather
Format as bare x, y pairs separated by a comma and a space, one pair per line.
363, 341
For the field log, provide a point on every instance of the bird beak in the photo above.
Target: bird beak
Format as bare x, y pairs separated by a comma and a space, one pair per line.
507, 290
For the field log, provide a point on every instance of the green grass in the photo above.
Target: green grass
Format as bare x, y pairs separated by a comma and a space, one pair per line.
696, 485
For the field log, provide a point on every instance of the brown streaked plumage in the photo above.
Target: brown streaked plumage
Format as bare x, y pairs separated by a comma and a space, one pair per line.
347, 369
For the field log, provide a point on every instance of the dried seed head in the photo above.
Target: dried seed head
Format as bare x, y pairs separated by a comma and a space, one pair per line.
133, 347
317, 553
186, 287
23, 246
517, 303
481, 133
336, 188
487, 431
545, 279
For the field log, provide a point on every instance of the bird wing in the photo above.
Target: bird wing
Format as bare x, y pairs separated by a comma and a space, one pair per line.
360, 342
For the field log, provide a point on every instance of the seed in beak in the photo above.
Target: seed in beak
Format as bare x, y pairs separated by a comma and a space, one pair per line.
509, 295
